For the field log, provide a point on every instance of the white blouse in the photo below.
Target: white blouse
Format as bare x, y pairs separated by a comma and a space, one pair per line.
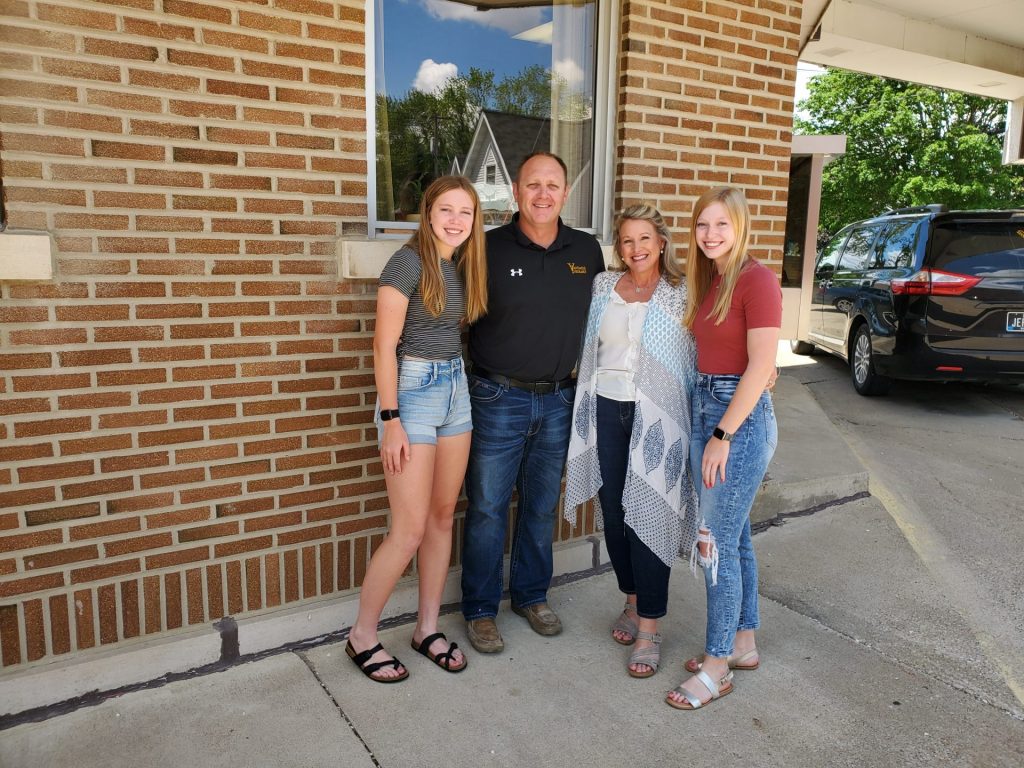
617, 349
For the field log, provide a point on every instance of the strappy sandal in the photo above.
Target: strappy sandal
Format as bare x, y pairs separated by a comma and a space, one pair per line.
626, 625
361, 660
692, 702
649, 656
735, 662
443, 660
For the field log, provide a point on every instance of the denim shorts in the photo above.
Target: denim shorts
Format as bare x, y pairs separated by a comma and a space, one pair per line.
433, 400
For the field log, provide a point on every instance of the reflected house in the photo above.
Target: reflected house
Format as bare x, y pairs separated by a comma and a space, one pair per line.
502, 141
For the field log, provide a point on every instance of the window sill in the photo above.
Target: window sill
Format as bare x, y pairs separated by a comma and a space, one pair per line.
365, 259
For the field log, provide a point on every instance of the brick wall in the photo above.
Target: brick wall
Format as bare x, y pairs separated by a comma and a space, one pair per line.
185, 410
706, 98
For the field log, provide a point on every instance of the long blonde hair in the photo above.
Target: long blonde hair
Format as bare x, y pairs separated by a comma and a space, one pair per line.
700, 270
470, 257
667, 263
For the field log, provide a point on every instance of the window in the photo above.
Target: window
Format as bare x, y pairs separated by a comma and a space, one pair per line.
473, 87
898, 250
829, 257
859, 249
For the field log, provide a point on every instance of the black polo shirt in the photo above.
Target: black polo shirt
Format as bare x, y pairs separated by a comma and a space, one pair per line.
537, 302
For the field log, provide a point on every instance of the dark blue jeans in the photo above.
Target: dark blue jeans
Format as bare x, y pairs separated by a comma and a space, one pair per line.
639, 571
520, 441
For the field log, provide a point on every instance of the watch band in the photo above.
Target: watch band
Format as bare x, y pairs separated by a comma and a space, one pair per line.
721, 434
388, 414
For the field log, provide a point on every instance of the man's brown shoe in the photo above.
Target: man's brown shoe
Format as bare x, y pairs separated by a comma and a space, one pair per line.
484, 636
543, 620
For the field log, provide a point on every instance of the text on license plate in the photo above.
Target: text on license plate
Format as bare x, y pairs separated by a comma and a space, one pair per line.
1015, 322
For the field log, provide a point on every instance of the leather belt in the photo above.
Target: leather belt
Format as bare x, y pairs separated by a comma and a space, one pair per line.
537, 387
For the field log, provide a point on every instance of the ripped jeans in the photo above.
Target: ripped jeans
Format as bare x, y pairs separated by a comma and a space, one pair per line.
730, 570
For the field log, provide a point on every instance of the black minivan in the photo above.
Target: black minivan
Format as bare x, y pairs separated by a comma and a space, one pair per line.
922, 293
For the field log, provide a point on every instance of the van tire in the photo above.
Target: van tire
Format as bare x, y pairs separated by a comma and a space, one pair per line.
862, 365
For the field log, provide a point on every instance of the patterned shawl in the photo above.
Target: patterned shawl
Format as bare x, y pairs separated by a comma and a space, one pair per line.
659, 499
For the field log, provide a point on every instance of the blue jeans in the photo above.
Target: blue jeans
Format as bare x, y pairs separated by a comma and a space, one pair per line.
520, 441
638, 570
433, 400
725, 508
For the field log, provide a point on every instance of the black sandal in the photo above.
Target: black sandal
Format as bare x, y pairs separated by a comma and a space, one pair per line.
361, 659
443, 660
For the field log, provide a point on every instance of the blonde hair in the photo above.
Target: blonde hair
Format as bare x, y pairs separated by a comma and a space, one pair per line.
470, 257
700, 270
667, 263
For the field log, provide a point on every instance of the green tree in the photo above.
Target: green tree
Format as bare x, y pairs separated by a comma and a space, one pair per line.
907, 145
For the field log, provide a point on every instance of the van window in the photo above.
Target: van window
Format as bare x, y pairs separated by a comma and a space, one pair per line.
829, 256
859, 250
980, 248
898, 249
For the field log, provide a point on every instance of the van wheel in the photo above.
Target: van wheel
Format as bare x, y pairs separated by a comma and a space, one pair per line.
862, 366
798, 347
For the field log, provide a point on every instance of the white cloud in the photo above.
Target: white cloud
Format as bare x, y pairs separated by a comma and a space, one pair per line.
569, 71
512, 21
432, 76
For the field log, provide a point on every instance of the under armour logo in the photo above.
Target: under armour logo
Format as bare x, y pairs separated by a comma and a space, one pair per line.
516, 272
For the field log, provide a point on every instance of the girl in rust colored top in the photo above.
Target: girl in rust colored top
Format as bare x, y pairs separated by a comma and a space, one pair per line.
735, 313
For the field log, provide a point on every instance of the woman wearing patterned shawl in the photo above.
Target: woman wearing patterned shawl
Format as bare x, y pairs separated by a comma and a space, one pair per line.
631, 426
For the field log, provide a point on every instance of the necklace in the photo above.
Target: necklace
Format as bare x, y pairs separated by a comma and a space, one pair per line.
637, 288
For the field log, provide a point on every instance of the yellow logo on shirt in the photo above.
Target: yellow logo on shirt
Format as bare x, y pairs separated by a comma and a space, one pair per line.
577, 269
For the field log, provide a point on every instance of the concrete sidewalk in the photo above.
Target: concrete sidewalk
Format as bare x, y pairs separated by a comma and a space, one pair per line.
276, 701
818, 699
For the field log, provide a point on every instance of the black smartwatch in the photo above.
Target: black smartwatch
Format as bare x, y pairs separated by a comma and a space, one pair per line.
721, 434
388, 415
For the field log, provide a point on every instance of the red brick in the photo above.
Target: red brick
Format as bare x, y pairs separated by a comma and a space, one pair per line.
273, 116
159, 311
134, 461
119, 50
130, 377
170, 436
127, 101
52, 382
95, 444
166, 130
238, 546
30, 540
242, 267
129, 592
204, 203
205, 245
172, 395
211, 453
243, 507
177, 517
127, 151
172, 478
171, 354
303, 96
104, 571
203, 331
89, 357
36, 474
31, 584
138, 502
203, 109
197, 11
247, 389
52, 427
153, 618
146, 28
235, 41
215, 530
205, 412
134, 245
203, 289
137, 544
55, 557
10, 636
133, 418
194, 595
163, 178
81, 70
112, 527
210, 493
25, 360
245, 90
24, 405
48, 337
92, 312
97, 487
178, 557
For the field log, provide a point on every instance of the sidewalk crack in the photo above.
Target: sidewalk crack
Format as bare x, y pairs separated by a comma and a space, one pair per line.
352, 726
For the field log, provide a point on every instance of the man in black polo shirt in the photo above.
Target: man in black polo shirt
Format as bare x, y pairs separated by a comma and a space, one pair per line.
524, 352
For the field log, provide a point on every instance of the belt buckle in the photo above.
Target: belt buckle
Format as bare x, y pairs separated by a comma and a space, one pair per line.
544, 387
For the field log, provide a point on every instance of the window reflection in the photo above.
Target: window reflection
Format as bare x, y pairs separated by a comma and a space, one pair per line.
474, 87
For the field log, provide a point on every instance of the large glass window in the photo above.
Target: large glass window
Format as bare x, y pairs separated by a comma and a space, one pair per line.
472, 87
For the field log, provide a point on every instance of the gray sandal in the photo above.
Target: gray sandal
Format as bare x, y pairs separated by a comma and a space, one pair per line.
649, 657
690, 701
626, 624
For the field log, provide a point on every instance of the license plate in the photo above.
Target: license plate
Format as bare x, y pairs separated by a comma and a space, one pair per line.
1015, 322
